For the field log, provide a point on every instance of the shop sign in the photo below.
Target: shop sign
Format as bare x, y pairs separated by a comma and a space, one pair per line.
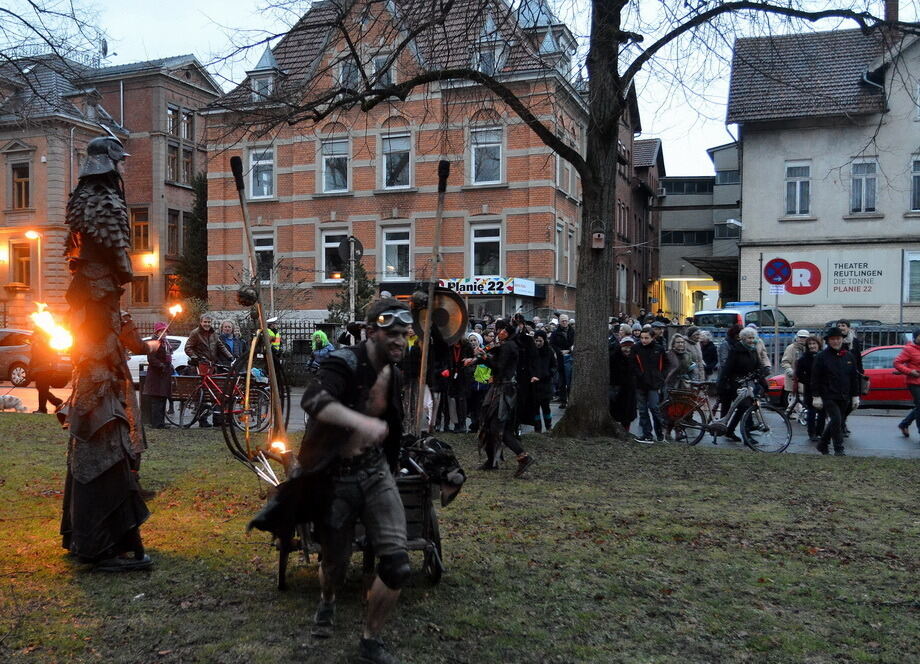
489, 286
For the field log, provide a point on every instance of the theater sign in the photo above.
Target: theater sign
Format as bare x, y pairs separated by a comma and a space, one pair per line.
855, 276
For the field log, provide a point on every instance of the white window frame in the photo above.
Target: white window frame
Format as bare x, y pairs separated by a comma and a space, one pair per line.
486, 240
800, 183
263, 85
385, 159
387, 242
257, 159
264, 242
323, 157
909, 257
572, 254
562, 259
378, 62
347, 63
863, 180
326, 243
475, 147
564, 176
914, 202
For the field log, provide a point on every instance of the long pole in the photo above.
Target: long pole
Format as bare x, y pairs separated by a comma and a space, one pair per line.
760, 294
352, 296
443, 172
775, 330
277, 432
905, 292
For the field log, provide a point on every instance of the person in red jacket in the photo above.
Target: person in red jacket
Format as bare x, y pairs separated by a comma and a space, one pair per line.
908, 363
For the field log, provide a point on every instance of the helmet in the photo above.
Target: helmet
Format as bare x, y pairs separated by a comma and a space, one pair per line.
102, 156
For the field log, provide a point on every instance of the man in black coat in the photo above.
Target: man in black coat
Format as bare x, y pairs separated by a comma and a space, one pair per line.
648, 366
835, 388
158, 383
563, 342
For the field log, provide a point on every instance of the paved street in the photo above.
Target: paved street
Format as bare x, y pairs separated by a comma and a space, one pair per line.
874, 431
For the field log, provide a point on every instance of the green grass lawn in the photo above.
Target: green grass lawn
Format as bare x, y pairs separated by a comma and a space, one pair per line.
608, 552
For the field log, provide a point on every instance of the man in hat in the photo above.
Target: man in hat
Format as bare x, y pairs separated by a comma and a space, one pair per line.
791, 355
658, 336
835, 388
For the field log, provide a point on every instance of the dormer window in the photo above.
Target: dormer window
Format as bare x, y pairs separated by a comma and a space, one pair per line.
262, 87
489, 55
487, 59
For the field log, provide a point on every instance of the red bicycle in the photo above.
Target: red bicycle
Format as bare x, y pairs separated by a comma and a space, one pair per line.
197, 397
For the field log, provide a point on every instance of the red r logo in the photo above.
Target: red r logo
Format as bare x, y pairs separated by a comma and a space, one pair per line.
805, 279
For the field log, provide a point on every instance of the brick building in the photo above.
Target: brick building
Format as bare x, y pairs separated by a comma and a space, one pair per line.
49, 110
512, 210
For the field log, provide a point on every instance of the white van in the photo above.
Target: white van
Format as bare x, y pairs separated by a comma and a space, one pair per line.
742, 313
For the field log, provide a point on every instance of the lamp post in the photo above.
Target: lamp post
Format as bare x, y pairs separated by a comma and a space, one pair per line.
35, 235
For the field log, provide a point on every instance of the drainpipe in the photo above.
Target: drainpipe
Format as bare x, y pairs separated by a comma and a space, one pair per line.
121, 102
70, 161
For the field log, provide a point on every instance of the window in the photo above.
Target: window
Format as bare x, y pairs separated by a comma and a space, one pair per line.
798, 188
172, 163
687, 237
140, 290
172, 233
140, 229
487, 60
185, 230
759, 317
21, 262
262, 173
172, 120
912, 276
726, 231
564, 175
395, 161
573, 253
862, 191
687, 186
728, 177
396, 253
383, 73
21, 187
265, 255
880, 359
187, 128
562, 262
349, 76
262, 87
487, 155
487, 244
335, 166
915, 185
186, 167
333, 265
173, 287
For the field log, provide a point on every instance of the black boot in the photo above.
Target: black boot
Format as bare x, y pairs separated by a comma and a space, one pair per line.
374, 651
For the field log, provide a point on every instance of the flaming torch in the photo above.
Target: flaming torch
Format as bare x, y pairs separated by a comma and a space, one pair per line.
59, 338
175, 310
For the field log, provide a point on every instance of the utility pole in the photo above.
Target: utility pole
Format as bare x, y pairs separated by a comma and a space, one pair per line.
352, 295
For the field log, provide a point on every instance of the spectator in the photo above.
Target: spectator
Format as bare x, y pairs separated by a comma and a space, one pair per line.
231, 339
480, 383
410, 366
908, 363
680, 365
742, 362
353, 334
693, 347
563, 343
648, 364
710, 354
835, 387
850, 343
762, 356
526, 350
458, 386
542, 371
205, 347
658, 335
790, 357
41, 369
321, 348
158, 383
814, 419
622, 392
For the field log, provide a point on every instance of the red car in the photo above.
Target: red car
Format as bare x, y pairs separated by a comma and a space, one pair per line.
887, 387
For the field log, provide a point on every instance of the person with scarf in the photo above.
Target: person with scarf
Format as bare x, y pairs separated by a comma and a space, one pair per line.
321, 348
499, 419
814, 419
479, 384
543, 368
681, 365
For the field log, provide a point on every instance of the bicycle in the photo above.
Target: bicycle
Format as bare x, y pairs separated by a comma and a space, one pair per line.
689, 414
211, 393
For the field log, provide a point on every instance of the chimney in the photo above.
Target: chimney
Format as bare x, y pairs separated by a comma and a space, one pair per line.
891, 11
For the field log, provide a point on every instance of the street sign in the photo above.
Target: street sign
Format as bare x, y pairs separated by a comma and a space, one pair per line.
344, 252
777, 289
777, 271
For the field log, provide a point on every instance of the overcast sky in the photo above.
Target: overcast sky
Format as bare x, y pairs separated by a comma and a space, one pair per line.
143, 30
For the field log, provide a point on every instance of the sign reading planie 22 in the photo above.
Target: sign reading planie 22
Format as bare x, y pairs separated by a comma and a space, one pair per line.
489, 286
863, 276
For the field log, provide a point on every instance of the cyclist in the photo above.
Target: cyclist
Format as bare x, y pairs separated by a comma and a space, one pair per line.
742, 361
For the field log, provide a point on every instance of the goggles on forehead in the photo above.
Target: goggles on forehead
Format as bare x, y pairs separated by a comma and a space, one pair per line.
394, 316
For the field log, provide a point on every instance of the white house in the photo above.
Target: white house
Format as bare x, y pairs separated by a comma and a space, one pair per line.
830, 139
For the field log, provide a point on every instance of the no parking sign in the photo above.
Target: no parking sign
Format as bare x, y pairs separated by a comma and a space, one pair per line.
777, 271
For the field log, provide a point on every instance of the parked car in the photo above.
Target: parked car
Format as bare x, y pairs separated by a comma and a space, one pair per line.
855, 322
887, 387
16, 356
742, 313
179, 358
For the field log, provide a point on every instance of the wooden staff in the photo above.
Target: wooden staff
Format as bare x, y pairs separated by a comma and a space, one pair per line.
443, 172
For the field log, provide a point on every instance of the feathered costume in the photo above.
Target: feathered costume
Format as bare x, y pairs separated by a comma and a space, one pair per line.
103, 509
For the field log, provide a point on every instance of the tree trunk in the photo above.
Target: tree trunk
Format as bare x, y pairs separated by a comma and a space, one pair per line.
588, 412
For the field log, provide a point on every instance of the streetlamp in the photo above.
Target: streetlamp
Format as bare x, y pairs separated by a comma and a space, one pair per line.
35, 235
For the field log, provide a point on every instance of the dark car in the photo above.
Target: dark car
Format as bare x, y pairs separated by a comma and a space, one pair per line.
855, 322
887, 387
16, 355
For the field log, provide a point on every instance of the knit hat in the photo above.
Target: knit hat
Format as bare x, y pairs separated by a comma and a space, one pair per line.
627, 340
160, 326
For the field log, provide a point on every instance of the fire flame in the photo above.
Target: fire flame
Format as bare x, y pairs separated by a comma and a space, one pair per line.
175, 310
279, 446
59, 337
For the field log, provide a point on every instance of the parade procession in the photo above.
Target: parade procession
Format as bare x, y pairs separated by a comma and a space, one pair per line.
506, 331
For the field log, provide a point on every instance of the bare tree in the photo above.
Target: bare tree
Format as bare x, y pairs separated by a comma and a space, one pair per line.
346, 48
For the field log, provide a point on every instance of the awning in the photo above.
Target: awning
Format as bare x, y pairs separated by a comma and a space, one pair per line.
723, 269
